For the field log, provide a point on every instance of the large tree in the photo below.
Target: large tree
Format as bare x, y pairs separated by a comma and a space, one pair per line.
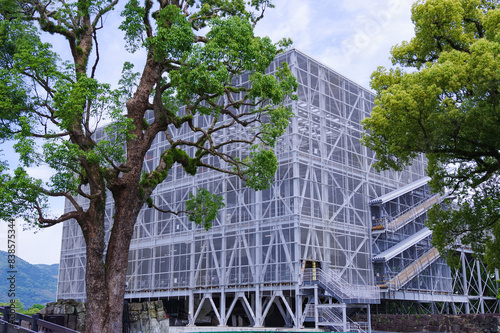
193, 51
446, 104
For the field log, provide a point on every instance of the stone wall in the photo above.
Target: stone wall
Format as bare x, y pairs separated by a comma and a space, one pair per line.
146, 317
69, 313
473, 323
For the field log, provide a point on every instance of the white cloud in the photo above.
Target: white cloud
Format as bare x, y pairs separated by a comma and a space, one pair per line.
35, 246
353, 37
287, 19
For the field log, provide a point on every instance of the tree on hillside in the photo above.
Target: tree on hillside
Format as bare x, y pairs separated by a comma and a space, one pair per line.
18, 306
447, 105
193, 50
35, 308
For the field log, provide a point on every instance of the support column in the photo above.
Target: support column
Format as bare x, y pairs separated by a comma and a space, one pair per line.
298, 308
344, 317
258, 307
316, 303
480, 286
497, 278
465, 283
259, 321
222, 310
223, 283
191, 308
369, 316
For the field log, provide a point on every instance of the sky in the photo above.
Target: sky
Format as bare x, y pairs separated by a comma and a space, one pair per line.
353, 37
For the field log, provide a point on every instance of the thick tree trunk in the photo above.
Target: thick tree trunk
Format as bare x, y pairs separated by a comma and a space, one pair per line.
106, 266
106, 270
94, 279
93, 231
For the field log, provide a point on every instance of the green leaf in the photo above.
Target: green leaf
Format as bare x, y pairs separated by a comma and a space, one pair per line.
204, 207
262, 166
133, 25
445, 105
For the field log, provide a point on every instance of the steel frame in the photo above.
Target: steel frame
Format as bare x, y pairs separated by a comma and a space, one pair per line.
250, 263
436, 288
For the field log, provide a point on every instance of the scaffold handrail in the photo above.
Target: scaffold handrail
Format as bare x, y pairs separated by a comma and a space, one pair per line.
332, 312
414, 269
343, 290
331, 316
410, 214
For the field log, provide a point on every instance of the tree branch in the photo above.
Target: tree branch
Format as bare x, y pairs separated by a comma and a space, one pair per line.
102, 12
94, 35
145, 19
46, 223
168, 211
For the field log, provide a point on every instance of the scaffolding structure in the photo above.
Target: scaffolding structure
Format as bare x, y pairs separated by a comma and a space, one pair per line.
410, 272
305, 252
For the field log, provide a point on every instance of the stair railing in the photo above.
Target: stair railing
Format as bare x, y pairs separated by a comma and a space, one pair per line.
414, 268
411, 213
334, 316
341, 288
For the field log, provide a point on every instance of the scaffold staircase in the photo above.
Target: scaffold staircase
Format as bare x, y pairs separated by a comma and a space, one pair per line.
413, 269
412, 213
340, 289
332, 316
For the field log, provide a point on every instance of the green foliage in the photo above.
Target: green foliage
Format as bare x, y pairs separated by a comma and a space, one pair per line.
204, 207
174, 34
200, 75
17, 305
21, 55
277, 125
18, 192
128, 83
25, 145
85, 95
262, 167
229, 37
447, 108
133, 25
44, 102
35, 308
274, 89
99, 140
64, 158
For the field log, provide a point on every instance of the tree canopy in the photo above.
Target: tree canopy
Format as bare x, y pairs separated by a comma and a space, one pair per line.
194, 50
444, 102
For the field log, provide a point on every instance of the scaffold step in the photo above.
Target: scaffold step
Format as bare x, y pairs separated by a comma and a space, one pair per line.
413, 213
413, 269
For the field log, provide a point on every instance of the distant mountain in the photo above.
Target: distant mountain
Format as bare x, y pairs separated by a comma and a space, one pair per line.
34, 283
52, 270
